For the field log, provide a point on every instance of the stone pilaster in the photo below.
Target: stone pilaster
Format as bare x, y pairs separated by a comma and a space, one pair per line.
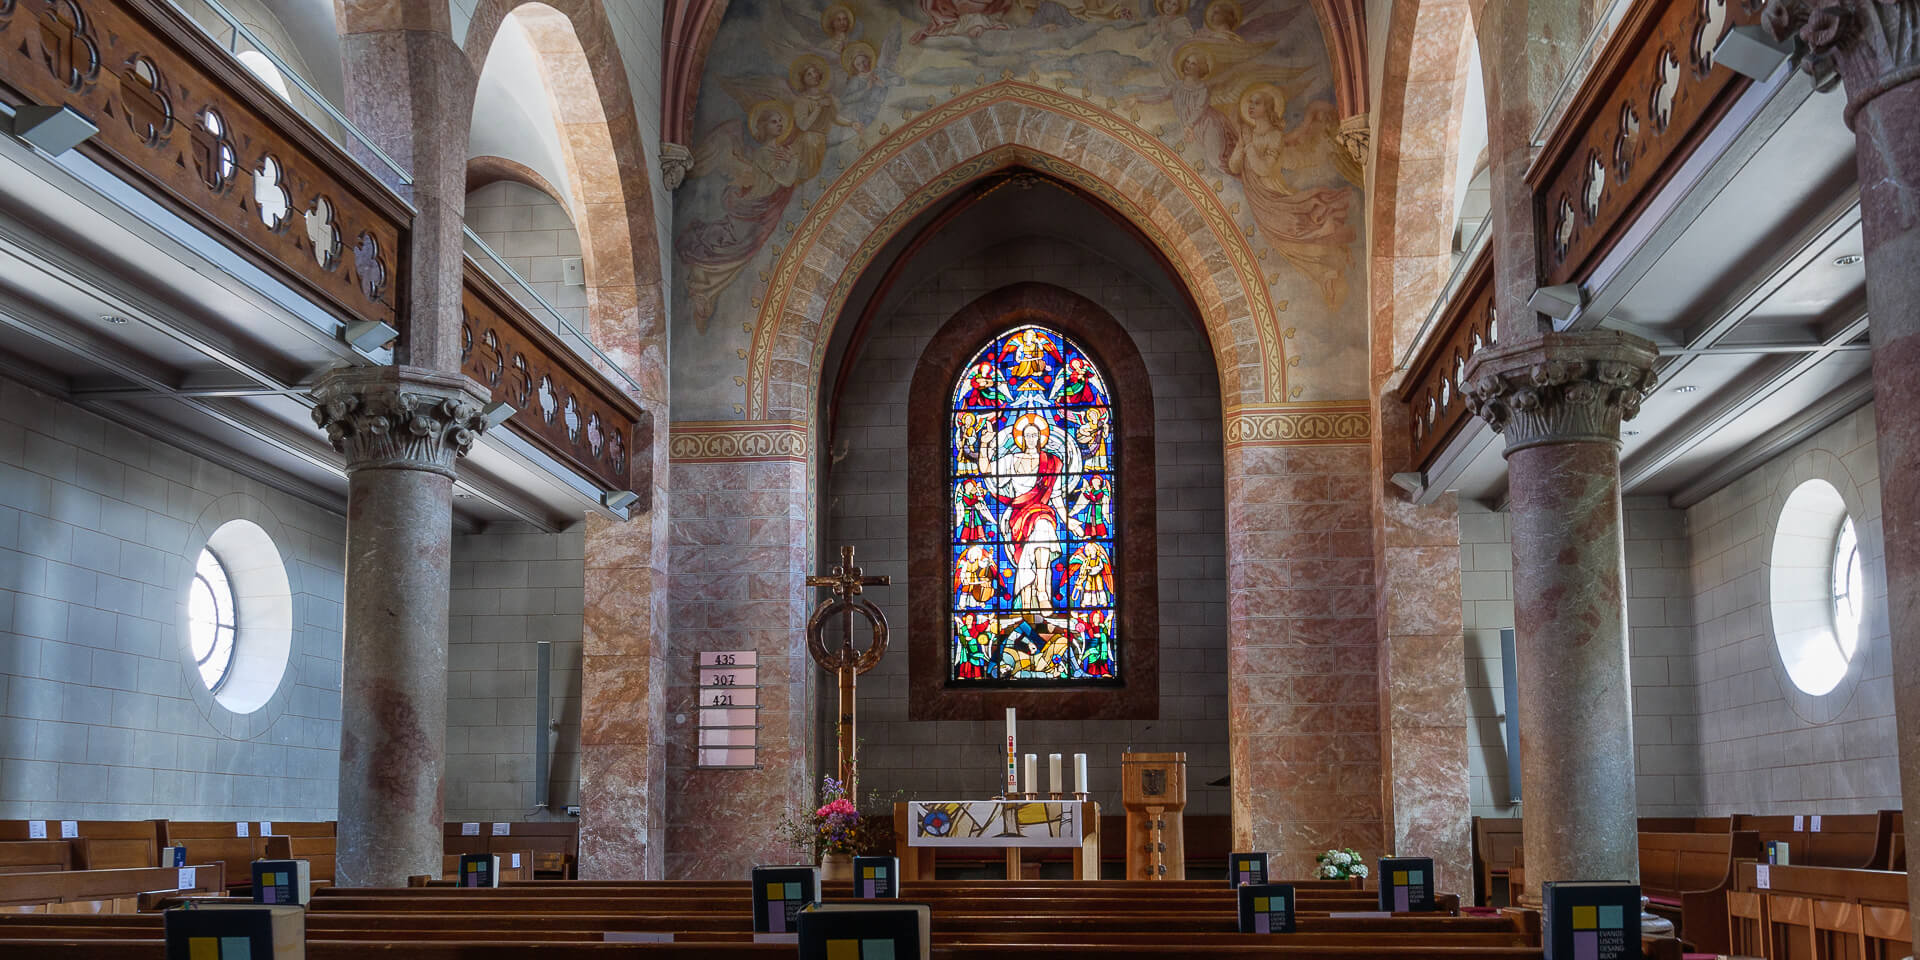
402, 429
1874, 47
1559, 399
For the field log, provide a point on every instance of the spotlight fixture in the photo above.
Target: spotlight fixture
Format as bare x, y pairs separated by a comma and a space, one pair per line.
1686, 388
1752, 52
1559, 301
1629, 433
1413, 482
113, 318
1847, 260
53, 129
368, 335
496, 414
618, 499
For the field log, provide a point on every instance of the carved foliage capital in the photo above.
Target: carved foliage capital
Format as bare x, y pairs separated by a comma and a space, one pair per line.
1561, 388
1874, 45
399, 418
1354, 136
675, 161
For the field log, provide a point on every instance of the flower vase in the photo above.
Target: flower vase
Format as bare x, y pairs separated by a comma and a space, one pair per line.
836, 867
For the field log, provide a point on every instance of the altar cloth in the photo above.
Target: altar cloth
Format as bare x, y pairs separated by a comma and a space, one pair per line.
995, 823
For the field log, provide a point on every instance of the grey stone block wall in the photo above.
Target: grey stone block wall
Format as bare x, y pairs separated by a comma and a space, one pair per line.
103, 715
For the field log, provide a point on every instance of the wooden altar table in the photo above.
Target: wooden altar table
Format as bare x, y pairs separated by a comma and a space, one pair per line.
922, 827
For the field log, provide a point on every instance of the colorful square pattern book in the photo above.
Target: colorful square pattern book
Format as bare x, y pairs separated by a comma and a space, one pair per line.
865, 931
236, 931
1591, 920
779, 894
1406, 883
1246, 868
479, 870
876, 878
1266, 908
282, 882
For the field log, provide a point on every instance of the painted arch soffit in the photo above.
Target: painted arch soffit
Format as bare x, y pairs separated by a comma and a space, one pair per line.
825, 128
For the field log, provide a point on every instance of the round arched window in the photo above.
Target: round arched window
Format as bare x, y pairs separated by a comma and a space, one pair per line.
260, 65
1817, 588
210, 620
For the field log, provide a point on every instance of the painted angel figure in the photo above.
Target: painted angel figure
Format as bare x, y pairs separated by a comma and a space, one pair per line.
971, 17
1079, 384
1092, 516
976, 578
762, 167
1025, 356
1206, 73
1090, 576
1093, 431
985, 389
1096, 642
972, 640
871, 76
973, 515
1307, 227
968, 429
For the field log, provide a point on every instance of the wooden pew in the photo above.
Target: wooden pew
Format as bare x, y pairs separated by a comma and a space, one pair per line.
1844, 840
555, 843
1496, 845
317, 851
35, 856
515, 865
218, 841
1686, 876
1687, 824
1808, 911
33, 890
99, 844
1890, 852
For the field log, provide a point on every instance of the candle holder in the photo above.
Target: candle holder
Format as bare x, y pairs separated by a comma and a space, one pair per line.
1029, 796
1056, 795
1083, 797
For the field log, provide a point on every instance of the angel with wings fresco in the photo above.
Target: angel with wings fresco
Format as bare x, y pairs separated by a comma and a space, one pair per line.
762, 167
1306, 226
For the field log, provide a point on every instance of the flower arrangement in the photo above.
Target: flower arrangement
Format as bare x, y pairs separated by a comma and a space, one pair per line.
1341, 864
833, 827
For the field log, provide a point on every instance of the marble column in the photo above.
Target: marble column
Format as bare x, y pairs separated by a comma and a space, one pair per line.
1874, 45
401, 429
1559, 399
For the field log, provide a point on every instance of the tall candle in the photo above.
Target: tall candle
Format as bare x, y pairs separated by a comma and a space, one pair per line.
1053, 773
1033, 772
1013, 774
1080, 773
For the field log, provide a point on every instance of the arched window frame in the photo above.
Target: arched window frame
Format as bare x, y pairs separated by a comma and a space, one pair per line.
931, 694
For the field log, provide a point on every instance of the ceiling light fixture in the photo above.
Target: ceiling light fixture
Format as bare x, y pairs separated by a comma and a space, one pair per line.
1686, 388
1847, 260
112, 318
1629, 433
619, 499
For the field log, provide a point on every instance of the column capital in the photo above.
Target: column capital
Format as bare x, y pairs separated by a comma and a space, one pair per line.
675, 161
1561, 387
1873, 44
399, 417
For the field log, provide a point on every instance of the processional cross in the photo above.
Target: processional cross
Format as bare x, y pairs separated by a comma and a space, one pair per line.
846, 662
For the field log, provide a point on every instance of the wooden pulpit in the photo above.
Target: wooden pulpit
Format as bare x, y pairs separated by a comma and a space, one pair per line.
1153, 788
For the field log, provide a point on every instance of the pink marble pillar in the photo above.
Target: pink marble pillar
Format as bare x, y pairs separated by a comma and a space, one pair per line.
1425, 788
1302, 689
1875, 47
401, 429
738, 582
1559, 400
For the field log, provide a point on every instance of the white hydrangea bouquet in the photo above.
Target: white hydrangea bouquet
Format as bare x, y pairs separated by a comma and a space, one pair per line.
1341, 864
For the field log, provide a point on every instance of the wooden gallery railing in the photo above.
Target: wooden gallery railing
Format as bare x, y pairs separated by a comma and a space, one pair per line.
1651, 99
189, 126
1436, 408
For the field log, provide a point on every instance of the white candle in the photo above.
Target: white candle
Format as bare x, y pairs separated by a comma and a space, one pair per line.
1053, 773
1033, 772
1013, 773
1080, 773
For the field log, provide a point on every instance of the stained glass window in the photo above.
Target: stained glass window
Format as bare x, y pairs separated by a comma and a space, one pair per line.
1031, 470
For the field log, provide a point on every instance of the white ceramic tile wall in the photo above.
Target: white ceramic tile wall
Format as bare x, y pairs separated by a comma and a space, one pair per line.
1659, 615
1758, 755
96, 718
868, 509
512, 587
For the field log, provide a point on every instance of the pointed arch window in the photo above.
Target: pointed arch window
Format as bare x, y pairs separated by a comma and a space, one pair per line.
1032, 472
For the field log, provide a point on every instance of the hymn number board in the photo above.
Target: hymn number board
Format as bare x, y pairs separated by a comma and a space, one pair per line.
729, 726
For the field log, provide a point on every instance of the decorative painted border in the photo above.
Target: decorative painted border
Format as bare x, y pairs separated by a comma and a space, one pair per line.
723, 441
826, 211
1296, 424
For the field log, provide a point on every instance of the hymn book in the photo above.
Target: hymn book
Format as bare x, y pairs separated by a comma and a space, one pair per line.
1266, 908
876, 878
1406, 883
1590, 920
221, 931
479, 870
865, 931
779, 893
1246, 868
282, 882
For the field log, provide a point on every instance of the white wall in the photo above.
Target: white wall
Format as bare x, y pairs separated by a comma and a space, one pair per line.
99, 531
1762, 749
867, 507
533, 234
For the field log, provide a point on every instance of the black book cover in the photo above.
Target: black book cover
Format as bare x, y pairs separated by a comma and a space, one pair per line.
1406, 883
257, 932
864, 931
876, 878
479, 870
1586, 920
1246, 868
778, 895
1266, 908
281, 882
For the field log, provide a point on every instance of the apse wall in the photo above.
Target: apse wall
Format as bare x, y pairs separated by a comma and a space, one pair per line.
103, 714
867, 506
1764, 747
513, 586
1660, 622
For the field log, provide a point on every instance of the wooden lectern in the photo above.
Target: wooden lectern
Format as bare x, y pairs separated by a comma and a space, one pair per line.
1153, 788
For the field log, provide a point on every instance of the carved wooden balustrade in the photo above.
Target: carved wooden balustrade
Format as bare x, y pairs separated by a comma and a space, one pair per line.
1434, 388
1651, 98
189, 126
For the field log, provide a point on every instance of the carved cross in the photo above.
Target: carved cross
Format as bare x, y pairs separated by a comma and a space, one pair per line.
847, 584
